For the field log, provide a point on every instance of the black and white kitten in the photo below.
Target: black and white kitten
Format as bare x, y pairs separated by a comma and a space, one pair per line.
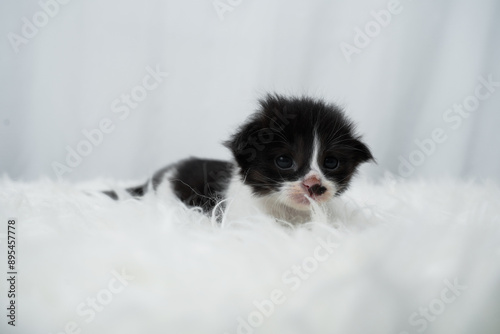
291, 154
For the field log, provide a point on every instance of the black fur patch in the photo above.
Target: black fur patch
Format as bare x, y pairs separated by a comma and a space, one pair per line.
201, 182
111, 194
138, 191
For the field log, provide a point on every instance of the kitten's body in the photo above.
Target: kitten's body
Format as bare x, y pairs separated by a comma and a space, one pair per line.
290, 155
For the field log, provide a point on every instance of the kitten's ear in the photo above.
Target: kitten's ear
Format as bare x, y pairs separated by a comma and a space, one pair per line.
361, 151
241, 144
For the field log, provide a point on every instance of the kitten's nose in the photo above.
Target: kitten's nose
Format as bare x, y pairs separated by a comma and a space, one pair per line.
311, 181
313, 185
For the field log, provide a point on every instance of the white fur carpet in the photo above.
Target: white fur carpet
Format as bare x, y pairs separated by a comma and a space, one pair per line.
402, 257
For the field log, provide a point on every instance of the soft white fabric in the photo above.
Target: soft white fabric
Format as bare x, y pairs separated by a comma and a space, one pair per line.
397, 247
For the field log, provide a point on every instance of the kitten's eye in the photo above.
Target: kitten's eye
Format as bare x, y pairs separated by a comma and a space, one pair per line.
284, 162
331, 163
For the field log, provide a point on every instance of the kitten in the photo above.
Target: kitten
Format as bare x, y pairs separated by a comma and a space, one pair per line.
291, 154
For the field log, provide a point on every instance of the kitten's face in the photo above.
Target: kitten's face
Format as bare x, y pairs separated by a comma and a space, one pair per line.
297, 150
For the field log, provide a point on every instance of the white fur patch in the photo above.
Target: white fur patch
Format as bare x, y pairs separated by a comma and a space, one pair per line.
314, 158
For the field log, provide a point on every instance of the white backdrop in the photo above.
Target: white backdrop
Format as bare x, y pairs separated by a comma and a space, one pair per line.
67, 69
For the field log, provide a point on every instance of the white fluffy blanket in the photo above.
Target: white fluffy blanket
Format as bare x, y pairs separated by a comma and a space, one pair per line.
402, 257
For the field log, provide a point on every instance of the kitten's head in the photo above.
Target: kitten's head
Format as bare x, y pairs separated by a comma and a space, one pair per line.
297, 150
